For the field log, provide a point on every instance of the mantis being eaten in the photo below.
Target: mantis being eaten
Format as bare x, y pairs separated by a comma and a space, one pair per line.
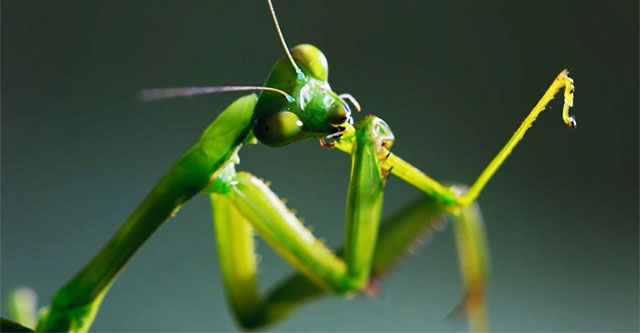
295, 103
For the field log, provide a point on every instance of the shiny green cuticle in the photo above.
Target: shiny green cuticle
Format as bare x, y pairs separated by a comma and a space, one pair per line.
298, 104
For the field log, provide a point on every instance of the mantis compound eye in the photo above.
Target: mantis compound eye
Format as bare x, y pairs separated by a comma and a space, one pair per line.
278, 129
313, 59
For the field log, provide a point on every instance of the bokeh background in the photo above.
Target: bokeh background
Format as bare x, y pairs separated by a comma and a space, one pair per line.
452, 79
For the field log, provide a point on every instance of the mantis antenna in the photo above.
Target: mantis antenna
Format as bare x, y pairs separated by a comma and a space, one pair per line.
284, 44
165, 93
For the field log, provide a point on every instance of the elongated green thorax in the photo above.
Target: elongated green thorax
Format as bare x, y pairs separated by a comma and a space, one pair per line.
74, 306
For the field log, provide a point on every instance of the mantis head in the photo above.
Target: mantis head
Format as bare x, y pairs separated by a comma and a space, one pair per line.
295, 103
314, 110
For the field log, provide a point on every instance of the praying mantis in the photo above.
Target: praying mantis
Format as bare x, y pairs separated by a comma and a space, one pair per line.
295, 103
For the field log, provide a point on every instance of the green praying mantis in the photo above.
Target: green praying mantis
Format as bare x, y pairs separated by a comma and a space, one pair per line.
295, 103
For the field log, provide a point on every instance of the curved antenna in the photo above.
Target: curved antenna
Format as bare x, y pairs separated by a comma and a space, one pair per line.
352, 99
165, 93
284, 44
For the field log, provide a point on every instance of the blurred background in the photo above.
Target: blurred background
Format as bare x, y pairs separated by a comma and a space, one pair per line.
452, 79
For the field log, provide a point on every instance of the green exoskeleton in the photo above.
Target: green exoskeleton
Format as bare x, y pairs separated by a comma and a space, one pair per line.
295, 103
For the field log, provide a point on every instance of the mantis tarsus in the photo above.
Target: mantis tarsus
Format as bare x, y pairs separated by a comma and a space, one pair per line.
295, 103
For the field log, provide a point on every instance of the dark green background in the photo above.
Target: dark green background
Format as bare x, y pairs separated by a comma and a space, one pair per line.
452, 79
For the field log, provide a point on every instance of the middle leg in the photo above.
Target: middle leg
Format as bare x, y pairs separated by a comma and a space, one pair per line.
234, 241
397, 235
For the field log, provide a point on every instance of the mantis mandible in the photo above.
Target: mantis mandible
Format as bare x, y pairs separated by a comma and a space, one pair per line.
294, 104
